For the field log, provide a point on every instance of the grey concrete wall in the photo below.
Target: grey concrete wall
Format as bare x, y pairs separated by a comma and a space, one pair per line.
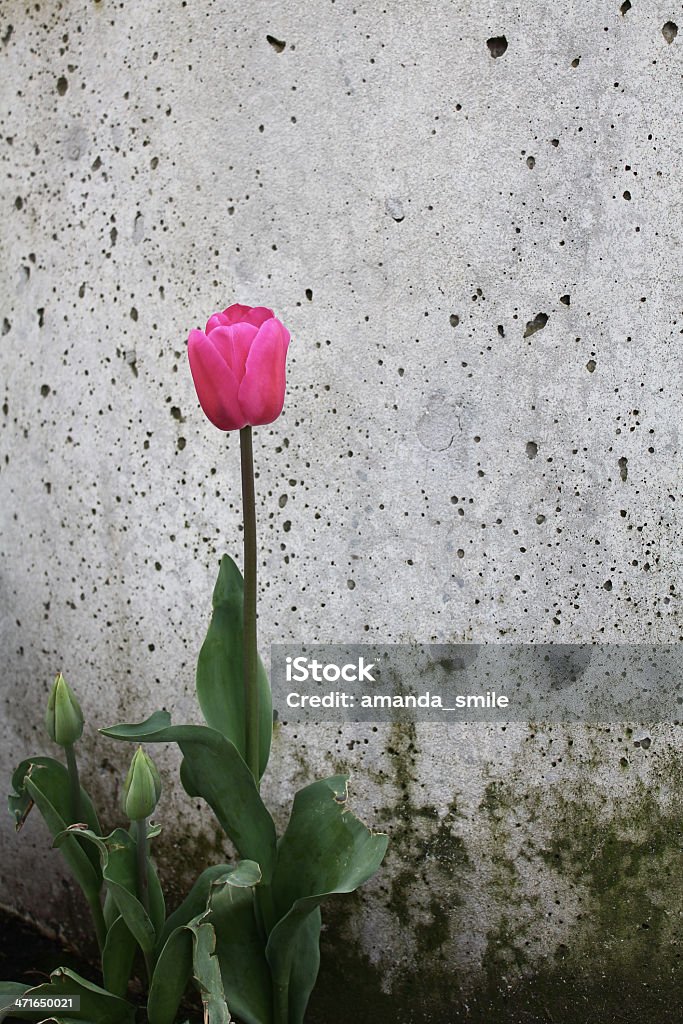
409, 203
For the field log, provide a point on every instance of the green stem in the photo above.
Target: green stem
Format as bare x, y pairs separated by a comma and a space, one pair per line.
141, 845
76, 809
251, 702
98, 919
143, 880
78, 817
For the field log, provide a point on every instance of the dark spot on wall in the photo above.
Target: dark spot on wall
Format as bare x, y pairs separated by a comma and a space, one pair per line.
8, 35
454, 319
531, 449
590, 365
309, 294
45, 390
6, 326
497, 45
566, 299
625, 7
277, 44
627, 194
537, 324
576, 62
607, 584
623, 468
501, 330
531, 162
670, 31
177, 414
62, 85
41, 316
555, 142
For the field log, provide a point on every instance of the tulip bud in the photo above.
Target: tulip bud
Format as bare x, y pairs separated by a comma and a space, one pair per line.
64, 718
142, 788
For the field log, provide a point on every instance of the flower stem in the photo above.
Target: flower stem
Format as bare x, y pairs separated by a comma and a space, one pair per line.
143, 881
251, 701
77, 816
141, 844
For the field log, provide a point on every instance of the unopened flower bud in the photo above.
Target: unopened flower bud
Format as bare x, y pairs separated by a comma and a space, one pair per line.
142, 788
64, 718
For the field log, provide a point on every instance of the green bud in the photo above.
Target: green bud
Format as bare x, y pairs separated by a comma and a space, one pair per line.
142, 788
64, 718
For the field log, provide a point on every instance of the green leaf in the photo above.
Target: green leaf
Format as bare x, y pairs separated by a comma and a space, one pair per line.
207, 974
45, 783
195, 901
96, 1003
214, 769
191, 946
220, 668
119, 870
9, 991
325, 850
52, 778
171, 976
241, 955
117, 957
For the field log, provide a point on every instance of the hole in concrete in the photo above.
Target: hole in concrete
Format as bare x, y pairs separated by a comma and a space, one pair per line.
531, 449
627, 194
575, 62
497, 45
670, 31
531, 162
309, 294
537, 324
454, 319
625, 7
277, 44
623, 468
566, 299
63, 85
590, 365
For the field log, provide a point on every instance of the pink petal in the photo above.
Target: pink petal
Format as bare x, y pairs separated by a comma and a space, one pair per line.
233, 344
215, 383
216, 320
235, 313
262, 392
258, 315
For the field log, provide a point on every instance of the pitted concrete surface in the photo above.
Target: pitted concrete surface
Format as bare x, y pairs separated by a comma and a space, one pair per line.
469, 217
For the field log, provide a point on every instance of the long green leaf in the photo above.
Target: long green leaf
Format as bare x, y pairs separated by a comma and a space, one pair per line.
190, 949
119, 870
207, 974
220, 668
241, 955
325, 850
45, 783
171, 975
52, 779
214, 769
96, 1004
195, 901
117, 957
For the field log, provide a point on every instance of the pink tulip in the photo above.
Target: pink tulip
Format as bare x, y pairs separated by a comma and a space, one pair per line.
238, 366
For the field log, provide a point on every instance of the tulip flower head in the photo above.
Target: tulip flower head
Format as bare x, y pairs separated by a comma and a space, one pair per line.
238, 366
64, 718
142, 788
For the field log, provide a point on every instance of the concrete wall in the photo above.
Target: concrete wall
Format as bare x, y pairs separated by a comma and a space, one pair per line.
409, 204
